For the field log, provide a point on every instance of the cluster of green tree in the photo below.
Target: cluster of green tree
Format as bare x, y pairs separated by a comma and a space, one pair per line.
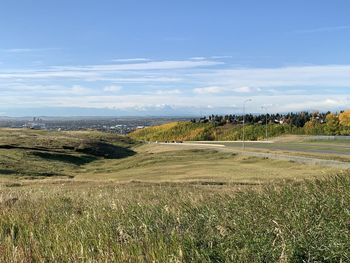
298, 119
255, 128
335, 124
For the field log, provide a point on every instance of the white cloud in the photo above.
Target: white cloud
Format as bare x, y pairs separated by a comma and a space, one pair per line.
112, 88
79, 90
44, 91
26, 50
152, 65
320, 76
217, 89
209, 90
198, 58
130, 59
138, 79
198, 72
244, 89
99, 71
220, 57
18, 50
152, 83
279, 103
168, 92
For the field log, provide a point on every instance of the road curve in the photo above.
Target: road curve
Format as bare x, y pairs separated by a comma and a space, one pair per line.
274, 156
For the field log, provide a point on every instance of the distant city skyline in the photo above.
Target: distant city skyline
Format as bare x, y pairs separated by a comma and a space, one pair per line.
180, 58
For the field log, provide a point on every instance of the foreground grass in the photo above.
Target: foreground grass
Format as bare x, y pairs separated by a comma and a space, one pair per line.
174, 205
79, 222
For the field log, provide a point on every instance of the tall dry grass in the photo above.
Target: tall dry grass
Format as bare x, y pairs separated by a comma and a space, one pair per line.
89, 222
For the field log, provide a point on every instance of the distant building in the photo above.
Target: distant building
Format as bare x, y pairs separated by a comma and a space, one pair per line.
36, 124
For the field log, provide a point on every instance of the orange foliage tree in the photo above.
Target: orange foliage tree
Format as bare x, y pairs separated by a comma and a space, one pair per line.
344, 118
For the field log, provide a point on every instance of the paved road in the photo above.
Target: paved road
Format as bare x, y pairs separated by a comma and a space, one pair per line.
306, 147
300, 159
275, 156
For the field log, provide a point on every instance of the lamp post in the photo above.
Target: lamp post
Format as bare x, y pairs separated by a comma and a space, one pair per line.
243, 144
265, 108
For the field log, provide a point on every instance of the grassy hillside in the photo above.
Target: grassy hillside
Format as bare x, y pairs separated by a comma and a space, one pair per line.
107, 198
31, 153
84, 222
188, 131
180, 131
90, 155
162, 163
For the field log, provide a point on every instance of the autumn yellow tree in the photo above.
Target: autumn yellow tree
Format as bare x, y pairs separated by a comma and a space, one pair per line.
344, 120
332, 124
313, 127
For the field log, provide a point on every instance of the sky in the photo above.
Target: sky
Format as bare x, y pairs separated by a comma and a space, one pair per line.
172, 58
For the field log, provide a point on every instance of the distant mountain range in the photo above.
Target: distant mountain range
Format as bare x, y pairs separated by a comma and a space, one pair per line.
159, 111
151, 111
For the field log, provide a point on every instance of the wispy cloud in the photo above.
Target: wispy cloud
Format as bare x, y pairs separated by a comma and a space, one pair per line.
112, 88
198, 58
130, 59
178, 83
168, 92
220, 57
100, 71
209, 90
80, 90
230, 103
323, 29
217, 90
297, 76
26, 50
153, 65
18, 50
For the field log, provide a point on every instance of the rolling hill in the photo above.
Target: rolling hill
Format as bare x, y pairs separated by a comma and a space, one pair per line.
40, 153
188, 131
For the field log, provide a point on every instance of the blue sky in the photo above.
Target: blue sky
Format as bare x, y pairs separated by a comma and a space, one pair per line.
173, 57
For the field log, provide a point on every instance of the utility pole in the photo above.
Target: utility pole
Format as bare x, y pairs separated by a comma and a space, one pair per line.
243, 140
265, 108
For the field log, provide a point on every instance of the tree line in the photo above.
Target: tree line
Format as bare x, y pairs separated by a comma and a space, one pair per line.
229, 127
313, 123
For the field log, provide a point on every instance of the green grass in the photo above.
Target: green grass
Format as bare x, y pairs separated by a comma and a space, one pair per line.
33, 154
167, 163
29, 154
300, 146
137, 222
99, 197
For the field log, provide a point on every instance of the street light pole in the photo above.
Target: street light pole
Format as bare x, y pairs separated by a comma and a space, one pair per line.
243, 139
265, 108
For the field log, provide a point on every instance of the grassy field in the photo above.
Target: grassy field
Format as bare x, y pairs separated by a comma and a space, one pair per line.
167, 163
98, 197
175, 222
295, 146
330, 147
